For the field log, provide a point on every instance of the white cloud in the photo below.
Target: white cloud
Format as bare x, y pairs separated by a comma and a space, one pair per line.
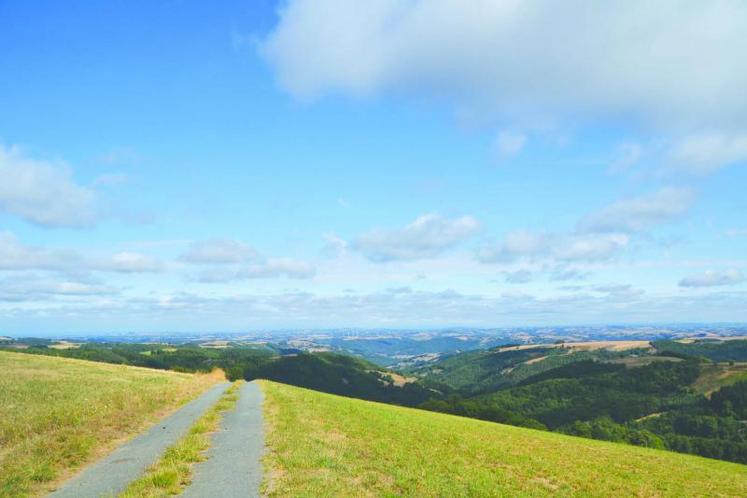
428, 236
666, 63
628, 154
711, 278
16, 256
189, 312
131, 262
275, 267
563, 274
538, 246
234, 260
706, 152
518, 276
508, 144
269, 268
640, 213
35, 288
43, 192
619, 291
219, 251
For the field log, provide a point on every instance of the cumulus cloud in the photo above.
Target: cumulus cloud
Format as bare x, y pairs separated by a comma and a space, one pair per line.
15, 255
36, 288
511, 58
640, 213
428, 236
219, 251
570, 247
131, 262
233, 260
706, 152
712, 278
43, 192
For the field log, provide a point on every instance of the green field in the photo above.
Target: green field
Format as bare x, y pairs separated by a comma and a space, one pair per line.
57, 414
325, 445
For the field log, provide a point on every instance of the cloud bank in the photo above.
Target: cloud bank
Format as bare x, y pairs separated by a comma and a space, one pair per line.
668, 64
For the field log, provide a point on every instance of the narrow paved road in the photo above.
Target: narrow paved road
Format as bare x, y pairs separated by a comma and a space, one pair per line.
234, 467
111, 475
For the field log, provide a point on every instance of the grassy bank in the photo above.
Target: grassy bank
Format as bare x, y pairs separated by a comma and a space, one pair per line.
172, 473
325, 445
58, 414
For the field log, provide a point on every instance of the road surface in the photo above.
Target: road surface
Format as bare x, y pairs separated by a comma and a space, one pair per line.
111, 475
233, 468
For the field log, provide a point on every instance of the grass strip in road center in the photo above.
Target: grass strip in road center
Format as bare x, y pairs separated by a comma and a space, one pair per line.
171, 474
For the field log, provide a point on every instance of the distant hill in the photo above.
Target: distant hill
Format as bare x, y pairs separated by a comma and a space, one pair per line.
321, 444
344, 375
487, 370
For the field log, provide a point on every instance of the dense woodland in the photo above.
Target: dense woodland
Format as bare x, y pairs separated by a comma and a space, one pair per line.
652, 398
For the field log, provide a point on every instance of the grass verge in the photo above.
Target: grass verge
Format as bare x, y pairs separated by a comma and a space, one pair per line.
57, 414
325, 445
172, 472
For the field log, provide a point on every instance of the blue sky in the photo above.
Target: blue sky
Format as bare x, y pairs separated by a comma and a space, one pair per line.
179, 166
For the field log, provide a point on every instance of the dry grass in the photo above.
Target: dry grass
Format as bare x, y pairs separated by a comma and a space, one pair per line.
585, 346
57, 414
323, 445
717, 375
173, 471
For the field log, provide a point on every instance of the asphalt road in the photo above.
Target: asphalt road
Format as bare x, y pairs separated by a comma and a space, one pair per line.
111, 475
234, 469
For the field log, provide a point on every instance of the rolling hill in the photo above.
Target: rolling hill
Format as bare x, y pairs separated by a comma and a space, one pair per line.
326, 445
57, 414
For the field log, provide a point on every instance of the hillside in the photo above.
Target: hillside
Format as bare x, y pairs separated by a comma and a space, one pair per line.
486, 370
56, 414
341, 374
321, 444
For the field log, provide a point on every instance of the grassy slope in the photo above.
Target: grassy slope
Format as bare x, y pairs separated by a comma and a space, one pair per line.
325, 445
717, 375
57, 414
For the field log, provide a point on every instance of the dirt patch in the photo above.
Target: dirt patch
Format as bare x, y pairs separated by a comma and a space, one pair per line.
609, 345
400, 380
535, 360
585, 346
214, 344
65, 345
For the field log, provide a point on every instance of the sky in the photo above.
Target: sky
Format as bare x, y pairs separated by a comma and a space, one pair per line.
253, 165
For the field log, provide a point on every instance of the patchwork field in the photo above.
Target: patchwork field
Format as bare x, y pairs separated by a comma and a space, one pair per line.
326, 445
57, 414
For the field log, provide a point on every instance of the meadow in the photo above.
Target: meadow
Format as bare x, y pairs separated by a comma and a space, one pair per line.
326, 445
57, 414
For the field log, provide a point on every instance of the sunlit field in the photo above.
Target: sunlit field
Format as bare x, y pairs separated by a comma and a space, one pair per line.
325, 445
58, 414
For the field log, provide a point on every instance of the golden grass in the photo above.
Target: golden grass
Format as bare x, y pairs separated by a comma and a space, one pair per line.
57, 414
173, 471
714, 376
323, 445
